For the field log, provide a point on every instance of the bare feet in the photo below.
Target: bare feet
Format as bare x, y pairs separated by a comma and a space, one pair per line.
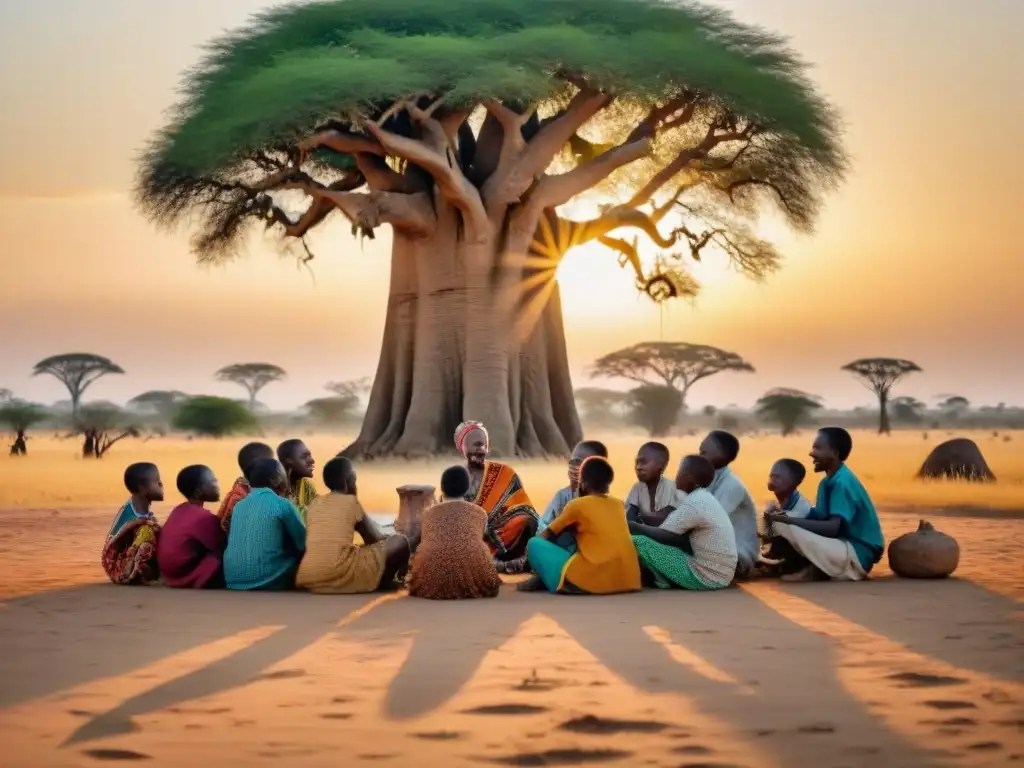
810, 573
532, 584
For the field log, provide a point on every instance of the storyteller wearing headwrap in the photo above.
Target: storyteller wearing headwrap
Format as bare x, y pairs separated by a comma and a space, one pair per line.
511, 517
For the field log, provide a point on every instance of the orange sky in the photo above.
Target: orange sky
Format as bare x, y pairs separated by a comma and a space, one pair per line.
919, 254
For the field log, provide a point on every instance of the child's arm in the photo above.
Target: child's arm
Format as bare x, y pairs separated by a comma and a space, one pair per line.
656, 518
370, 532
633, 513
660, 535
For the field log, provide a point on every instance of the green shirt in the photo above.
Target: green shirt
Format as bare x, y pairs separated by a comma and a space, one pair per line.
843, 496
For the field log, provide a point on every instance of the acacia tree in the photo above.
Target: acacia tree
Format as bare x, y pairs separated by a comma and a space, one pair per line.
602, 406
76, 371
252, 376
879, 374
214, 417
787, 407
103, 425
670, 363
20, 416
465, 126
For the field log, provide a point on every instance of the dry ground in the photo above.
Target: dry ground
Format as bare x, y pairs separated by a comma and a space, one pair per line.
888, 672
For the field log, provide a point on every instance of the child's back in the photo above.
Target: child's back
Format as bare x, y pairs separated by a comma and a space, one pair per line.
712, 537
453, 562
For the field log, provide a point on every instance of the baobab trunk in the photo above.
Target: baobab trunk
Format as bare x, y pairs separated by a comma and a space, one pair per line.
471, 332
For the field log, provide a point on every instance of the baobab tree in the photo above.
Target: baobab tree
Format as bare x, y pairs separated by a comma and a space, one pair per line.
879, 374
787, 407
76, 371
466, 126
252, 376
674, 364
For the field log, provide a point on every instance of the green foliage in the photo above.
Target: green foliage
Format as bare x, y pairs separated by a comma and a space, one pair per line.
18, 415
656, 408
787, 407
295, 68
214, 417
907, 410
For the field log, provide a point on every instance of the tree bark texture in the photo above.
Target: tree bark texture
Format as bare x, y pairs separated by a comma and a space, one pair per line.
470, 332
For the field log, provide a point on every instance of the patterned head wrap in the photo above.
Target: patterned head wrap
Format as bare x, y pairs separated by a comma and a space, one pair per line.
463, 431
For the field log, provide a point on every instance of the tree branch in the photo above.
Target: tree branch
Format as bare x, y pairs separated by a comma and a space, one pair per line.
507, 185
344, 142
379, 176
556, 190
711, 140
621, 216
451, 183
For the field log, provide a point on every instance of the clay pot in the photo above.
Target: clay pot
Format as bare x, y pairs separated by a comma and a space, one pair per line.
412, 501
958, 459
924, 554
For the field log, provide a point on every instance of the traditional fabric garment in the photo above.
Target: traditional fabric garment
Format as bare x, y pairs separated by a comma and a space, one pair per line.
452, 561
605, 561
670, 566
732, 494
238, 492
701, 518
191, 548
333, 563
836, 558
302, 495
266, 543
129, 554
511, 518
842, 495
640, 496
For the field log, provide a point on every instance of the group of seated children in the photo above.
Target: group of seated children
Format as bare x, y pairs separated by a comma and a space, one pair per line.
273, 531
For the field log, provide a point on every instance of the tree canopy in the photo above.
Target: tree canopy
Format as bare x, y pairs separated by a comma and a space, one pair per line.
642, 96
76, 371
880, 374
673, 364
787, 407
252, 376
20, 416
214, 416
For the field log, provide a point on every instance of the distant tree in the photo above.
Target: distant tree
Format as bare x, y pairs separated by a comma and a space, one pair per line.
102, 425
954, 406
601, 406
5, 395
20, 416
656, 407
350, 387
907, 410
332, 411
252, 376
163, 403
710, 411
214, 416
787, 407
76, 371
879, 374
672, 364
